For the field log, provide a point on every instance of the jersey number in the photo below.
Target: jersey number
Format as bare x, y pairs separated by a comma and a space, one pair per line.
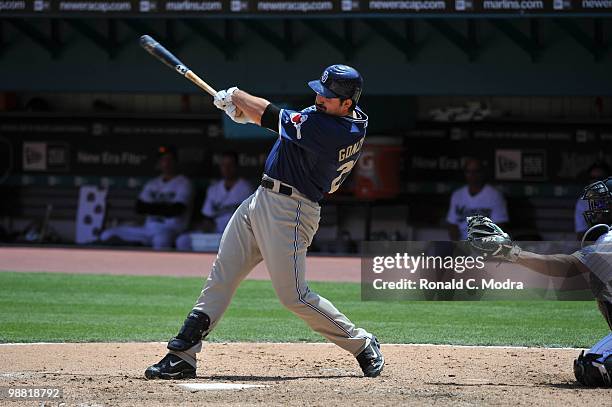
344, 169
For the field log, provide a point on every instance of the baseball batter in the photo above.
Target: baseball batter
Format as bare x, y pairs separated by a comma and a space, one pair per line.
316, 150
594, 368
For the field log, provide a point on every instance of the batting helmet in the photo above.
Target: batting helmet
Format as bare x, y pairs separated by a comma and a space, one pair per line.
599, 196
339, 81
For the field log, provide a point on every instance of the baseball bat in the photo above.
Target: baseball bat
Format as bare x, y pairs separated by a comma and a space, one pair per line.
158, 51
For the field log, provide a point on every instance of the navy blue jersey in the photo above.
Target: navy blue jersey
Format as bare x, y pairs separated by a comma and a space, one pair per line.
316, 151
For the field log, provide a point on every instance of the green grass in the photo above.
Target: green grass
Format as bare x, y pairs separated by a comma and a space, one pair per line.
67, 307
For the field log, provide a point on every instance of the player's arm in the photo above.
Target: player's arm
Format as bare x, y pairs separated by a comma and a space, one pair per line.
453, 232
263, 113
499, 211
208, 210
555, 265
260, 111
487, 237
252, 107
451, 224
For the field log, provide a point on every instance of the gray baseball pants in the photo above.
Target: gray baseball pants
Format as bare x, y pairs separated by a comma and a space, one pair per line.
277, 229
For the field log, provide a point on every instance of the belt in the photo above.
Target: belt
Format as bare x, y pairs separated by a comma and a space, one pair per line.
283, 189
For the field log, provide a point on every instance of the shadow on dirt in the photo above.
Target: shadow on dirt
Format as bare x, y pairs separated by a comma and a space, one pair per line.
566, 385
570, 385
475, 384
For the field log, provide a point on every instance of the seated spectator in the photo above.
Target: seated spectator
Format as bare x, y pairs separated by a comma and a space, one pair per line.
222, 199
597, 171
166, 202
475, 198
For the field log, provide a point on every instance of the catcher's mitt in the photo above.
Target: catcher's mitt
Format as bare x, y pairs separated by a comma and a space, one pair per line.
488, 238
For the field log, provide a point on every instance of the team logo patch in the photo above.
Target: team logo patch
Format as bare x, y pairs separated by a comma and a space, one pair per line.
324, 76
297, 119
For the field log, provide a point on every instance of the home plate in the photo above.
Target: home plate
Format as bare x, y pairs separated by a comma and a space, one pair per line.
218, 386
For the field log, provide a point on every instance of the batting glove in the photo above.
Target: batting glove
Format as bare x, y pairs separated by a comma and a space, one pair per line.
235, 114
219, 99
224, 97
229, 94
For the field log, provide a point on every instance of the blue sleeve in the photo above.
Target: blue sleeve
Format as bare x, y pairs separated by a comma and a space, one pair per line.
303, 129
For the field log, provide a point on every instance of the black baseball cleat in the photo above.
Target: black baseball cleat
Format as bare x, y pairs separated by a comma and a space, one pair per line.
169, 368
371, 360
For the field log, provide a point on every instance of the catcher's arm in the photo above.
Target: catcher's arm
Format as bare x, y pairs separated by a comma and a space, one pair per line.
555, 265
488, 238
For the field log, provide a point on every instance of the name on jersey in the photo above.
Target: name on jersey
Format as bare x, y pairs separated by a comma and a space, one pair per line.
345, 153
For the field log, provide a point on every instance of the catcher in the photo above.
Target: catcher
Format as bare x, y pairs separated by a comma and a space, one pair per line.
593, 369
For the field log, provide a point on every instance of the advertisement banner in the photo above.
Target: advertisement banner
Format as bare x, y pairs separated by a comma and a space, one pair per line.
547, 153
136, 8
122, 147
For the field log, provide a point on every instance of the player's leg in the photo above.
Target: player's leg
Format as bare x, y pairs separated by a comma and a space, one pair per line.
594, 369
162, 237
238, 254
126, 234
183, 242
284, 229
603, 347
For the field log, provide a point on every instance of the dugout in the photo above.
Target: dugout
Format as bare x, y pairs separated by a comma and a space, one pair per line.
515, 85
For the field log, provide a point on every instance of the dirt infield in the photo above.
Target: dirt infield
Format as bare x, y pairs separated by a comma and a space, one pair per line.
301, 374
